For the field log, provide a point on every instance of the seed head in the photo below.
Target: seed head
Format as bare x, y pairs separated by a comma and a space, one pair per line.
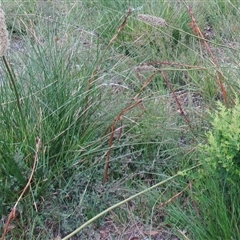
4, 41
145, 68
152, 20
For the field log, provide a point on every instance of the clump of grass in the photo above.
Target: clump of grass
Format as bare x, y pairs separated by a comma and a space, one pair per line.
84, 82
210, 211
50, 107
4, 45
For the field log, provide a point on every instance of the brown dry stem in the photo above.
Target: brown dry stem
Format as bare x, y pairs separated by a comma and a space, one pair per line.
94, 72
182, 112
196, 30
175, 196
12, 214
144, 84
111, 137
120, 28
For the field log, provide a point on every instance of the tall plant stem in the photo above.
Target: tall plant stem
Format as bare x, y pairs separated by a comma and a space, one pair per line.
180, 173
13, 82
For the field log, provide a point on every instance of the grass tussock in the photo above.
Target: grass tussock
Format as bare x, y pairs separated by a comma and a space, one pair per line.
110, 115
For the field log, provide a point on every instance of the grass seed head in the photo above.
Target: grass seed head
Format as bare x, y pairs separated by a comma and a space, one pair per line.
4, 40
152, 20
144, 68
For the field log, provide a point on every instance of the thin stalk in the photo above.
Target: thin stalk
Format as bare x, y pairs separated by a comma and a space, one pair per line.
180, 173
12, 79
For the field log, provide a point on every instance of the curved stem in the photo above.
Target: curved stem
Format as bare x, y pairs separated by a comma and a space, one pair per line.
180, 173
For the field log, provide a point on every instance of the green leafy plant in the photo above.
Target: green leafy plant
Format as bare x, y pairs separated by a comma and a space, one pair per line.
213, 209
223, 148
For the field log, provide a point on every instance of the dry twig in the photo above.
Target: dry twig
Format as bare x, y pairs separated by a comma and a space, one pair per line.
175, 196
196, 30
12, 214
111, 137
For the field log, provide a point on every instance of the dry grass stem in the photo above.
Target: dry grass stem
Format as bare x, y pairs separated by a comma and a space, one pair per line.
180, 108
93, 74
121, 27
112, 129
144, 84
175, 196
160, 63
219, 80
12, 214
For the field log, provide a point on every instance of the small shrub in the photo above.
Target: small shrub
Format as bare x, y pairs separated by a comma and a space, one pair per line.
223, 146
212, 208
